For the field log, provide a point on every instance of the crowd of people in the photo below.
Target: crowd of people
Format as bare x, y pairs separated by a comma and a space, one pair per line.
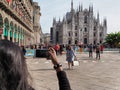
70, 51
95, 48
98, 48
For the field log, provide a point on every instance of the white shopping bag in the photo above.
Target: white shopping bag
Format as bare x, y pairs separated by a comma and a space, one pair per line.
76, 63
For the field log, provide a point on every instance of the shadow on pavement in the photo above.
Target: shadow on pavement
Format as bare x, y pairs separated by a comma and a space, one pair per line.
42, 70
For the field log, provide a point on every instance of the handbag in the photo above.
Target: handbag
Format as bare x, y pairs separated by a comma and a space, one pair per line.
76, 63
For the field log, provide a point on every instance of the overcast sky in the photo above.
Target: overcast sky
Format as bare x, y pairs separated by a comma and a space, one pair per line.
109, 9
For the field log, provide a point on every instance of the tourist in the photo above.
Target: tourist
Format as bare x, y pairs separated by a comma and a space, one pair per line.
14, 74
101, 48
70, 55
24, 50
98, 51
13, 69
90, 48
57, 48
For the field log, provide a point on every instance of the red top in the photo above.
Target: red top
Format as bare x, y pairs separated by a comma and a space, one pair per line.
101, 47
57, 47
8, 0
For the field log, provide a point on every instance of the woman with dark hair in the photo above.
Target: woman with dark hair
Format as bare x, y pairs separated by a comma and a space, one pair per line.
13, 69
14, 74
70, 56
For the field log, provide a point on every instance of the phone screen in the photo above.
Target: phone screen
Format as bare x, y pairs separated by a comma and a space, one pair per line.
42, 53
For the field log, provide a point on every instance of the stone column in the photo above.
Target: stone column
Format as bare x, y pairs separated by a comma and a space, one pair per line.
22, 39
8, 34
13, 36
19, 39
3, 34
16, 36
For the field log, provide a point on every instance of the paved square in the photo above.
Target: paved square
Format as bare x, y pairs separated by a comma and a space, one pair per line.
92, 74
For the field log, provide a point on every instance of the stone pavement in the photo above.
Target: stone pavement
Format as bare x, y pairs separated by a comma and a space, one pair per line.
92, 74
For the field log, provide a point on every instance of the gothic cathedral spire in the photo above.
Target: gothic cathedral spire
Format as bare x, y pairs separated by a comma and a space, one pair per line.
71, 5
105, 22
98, 16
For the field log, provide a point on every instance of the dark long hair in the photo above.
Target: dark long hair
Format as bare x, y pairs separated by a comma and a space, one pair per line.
69, 47
13, 69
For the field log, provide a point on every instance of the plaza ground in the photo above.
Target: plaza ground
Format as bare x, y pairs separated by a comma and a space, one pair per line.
92, 74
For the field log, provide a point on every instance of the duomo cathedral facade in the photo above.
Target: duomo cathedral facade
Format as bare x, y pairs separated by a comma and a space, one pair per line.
79, 27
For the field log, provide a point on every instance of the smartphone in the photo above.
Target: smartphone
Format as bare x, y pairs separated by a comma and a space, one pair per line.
42, 53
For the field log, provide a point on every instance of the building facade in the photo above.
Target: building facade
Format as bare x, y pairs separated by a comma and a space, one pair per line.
47, 38
38, 34
16, 21
79, 27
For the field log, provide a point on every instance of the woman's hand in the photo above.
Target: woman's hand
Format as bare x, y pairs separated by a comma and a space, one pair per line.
75, 58
53, 56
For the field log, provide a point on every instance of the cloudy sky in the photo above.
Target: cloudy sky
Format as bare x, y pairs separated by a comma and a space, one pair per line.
109, 9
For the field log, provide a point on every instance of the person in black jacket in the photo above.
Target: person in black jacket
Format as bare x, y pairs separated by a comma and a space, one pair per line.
98, 51
90, 47
61, 75
14, 74
24, 50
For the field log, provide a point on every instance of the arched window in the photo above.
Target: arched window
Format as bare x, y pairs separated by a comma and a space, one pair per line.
94, 35
69, 42
85, 40
11, 30
18, 37
6, 28
21, 33
94, 28
69, 34
76, 34
85, 29
100, 34
85, 19
1, 21
1, 26
15, 32
94, 42
76, 42
100, 41
76, 27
